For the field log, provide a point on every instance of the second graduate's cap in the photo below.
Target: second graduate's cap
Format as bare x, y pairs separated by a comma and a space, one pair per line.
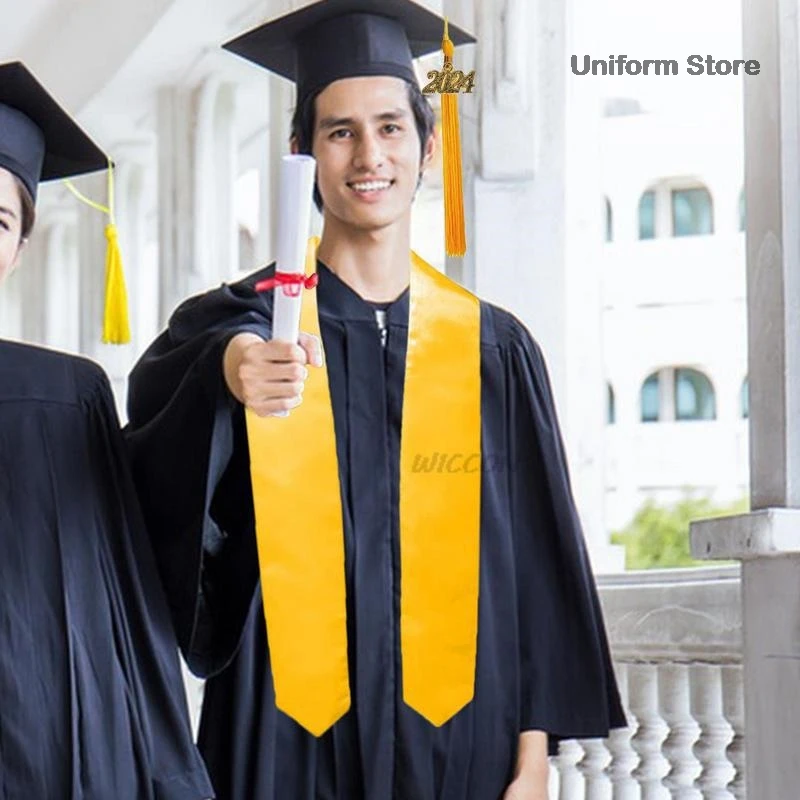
39, 141
334, 39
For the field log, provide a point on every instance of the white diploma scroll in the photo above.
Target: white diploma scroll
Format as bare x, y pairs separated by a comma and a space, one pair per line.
294, 217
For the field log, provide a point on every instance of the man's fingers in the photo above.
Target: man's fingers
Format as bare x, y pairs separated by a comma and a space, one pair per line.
274, 371
275, 350
267, 408
312, 347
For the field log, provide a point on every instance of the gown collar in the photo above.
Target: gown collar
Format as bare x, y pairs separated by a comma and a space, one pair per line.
336, 299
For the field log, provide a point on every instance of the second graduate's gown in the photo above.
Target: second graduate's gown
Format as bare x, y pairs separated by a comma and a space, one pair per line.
92, 705
542, 659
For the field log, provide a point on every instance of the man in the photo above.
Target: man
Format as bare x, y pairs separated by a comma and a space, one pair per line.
428, 624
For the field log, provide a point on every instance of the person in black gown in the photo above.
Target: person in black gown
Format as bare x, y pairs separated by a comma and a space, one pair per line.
92, 705
542, 669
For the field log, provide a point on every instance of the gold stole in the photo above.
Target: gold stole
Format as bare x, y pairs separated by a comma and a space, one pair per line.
298, 510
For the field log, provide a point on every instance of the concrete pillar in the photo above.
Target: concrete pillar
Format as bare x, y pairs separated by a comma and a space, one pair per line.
91, 260
61, 284
175, 135
537, 225
31, 272
767, 541
197, 168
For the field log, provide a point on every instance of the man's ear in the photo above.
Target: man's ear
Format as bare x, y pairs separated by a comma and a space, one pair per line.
429, 152
294, 147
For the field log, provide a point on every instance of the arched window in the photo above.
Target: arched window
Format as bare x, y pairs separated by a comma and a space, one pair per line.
647, 215
744, 399
650, 399
692, 212
609, 221
694, 396
742, 217
611, 405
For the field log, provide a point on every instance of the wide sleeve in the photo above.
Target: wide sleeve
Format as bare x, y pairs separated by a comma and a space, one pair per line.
568, 684
188, 448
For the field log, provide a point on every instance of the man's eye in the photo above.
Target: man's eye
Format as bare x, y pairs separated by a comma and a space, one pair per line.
342, 133
390, 127
4, 225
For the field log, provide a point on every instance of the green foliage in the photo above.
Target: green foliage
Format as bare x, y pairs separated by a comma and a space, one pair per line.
658, 536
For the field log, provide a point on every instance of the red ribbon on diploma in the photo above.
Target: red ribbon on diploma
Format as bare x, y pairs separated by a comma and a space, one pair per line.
292, 282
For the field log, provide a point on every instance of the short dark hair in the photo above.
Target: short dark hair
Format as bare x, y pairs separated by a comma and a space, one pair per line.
28, 209
303, 122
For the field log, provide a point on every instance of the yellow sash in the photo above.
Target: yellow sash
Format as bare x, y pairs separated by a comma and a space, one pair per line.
298, 512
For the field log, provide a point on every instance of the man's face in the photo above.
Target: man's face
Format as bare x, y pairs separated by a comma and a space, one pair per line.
10, 223
368, 152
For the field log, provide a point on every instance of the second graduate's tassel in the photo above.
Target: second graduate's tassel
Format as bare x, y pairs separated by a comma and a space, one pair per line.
455, 239
116, 324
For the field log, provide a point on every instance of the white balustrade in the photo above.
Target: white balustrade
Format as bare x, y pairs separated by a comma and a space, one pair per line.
676, 639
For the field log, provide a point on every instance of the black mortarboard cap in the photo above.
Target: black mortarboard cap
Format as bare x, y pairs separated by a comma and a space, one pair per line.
334, 39
39, 141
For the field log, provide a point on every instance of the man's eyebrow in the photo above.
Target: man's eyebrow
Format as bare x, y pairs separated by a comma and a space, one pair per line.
335, 122
326, 123
398, 113
8, 212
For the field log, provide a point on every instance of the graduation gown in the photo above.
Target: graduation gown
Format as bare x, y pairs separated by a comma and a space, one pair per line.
91, 698
542, 658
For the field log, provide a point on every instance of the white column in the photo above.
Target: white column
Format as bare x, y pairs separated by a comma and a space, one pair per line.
537, 244
768, 540
31, 273
216, 244
135, 198
281, 107
61, 286
91, 247
198, 245
175, 202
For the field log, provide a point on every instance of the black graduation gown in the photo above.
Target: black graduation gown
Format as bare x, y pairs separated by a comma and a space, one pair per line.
542, 659
91, 699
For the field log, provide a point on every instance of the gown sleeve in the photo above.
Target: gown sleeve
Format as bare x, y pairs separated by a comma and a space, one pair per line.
568, 684
188, 447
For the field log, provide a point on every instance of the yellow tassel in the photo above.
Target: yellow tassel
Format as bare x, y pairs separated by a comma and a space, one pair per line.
116, 326
455, 239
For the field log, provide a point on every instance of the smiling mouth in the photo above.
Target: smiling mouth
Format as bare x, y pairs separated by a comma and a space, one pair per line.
367, 187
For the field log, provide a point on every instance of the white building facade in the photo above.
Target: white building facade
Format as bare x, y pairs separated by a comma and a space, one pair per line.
674, 309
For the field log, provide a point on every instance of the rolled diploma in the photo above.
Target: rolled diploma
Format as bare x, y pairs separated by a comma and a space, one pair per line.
294, 217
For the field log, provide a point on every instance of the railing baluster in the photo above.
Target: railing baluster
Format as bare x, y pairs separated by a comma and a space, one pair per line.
674, 704
715, 733
571, 783
593, 768
733, 709
651, 731
623, 757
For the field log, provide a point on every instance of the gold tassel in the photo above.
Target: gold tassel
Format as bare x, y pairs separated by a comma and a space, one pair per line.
455, 240
116, 324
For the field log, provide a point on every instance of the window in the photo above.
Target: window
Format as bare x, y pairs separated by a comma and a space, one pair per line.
611, 405
647, 215
650, 399
609, 221
691, 212
744, 399
694, 396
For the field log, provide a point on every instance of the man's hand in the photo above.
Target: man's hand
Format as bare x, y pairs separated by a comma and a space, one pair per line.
531, 776
269, 377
